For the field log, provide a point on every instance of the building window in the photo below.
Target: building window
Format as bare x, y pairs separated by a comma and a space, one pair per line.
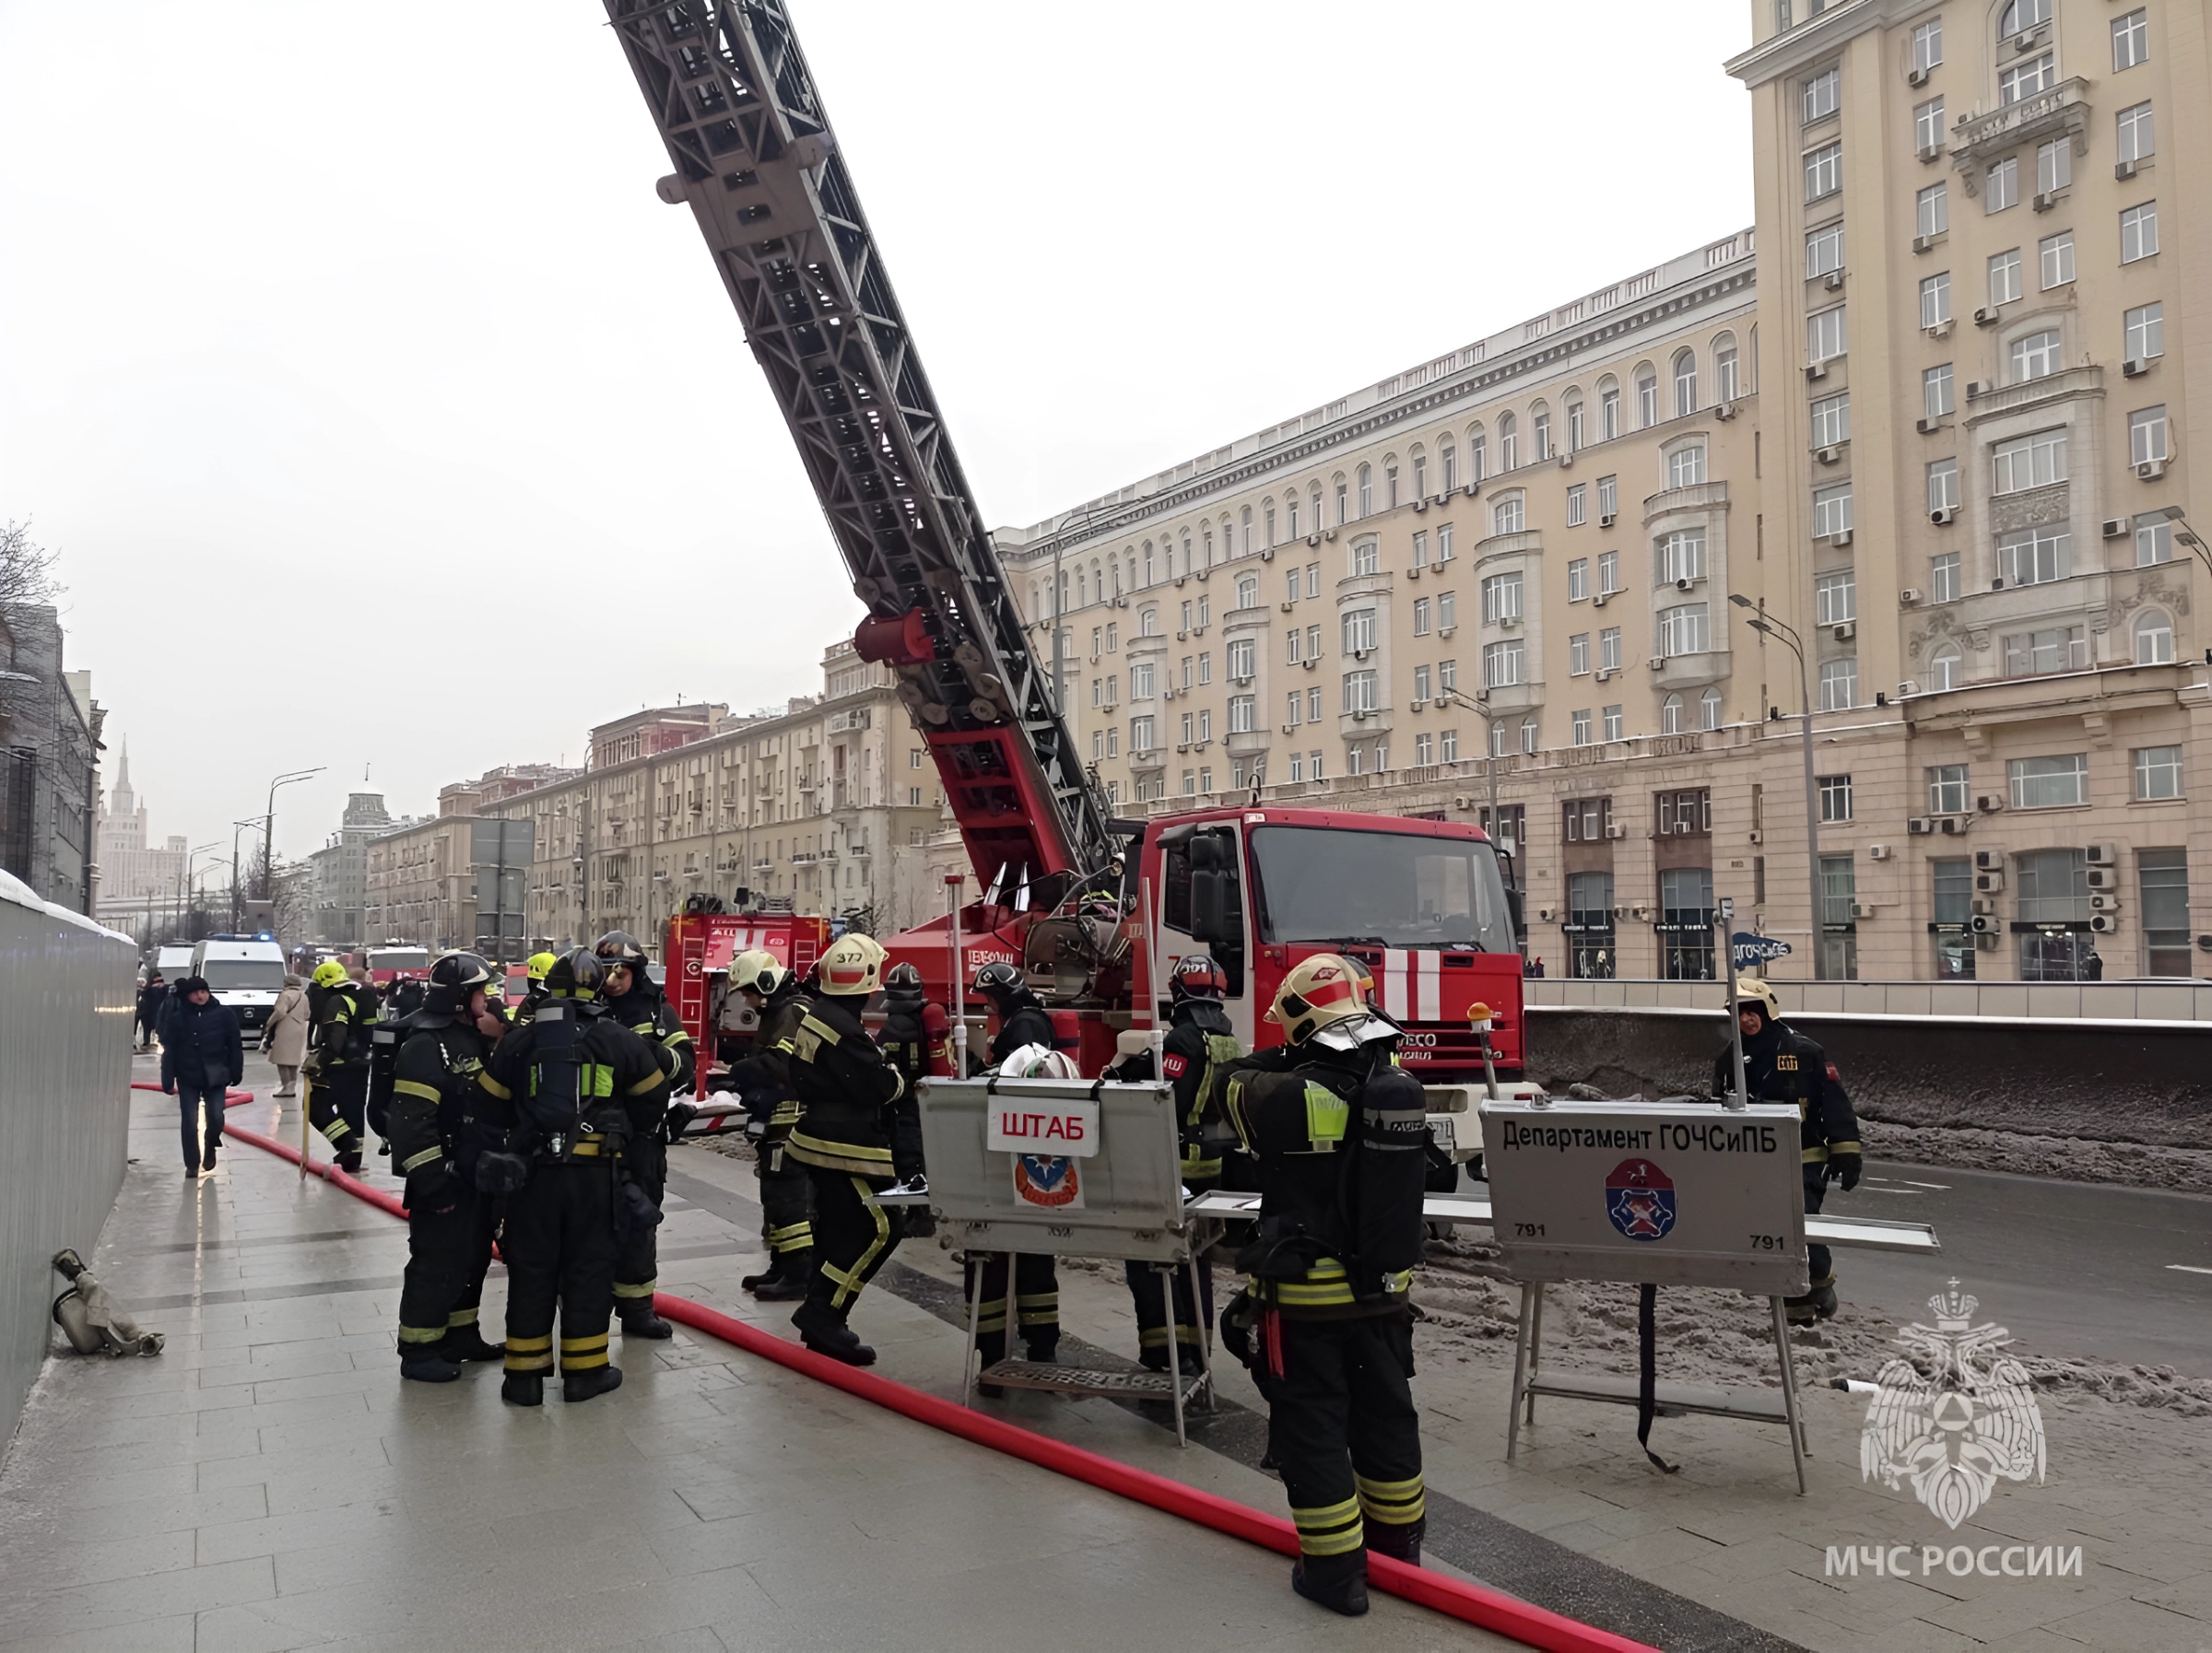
1839, 892
1360, 692
1927, 126
1953, 880
1684, 629
2028, 461
2146, 435
1420, 616
1367, 557
1500, 734
1447, 746
1686, 466
1477, 456
1509, 514
1647, 397
1831, 421
1608, 498
1727, 380
2038, 653
1244, 717
1823, 170
2163, 876
2057, 252
1608, 649
2154, 639
1825, 335
1613, 722
1528, 734
2131, 40
1686, 951
1927, 44
1205, 668
1686, 383
1936, 298
1608, 411
1835, 798
1390, 487
1577, 508
1241, 663
2036, 356
2048, 783
1141, 682
2154, 545
2138, 133
1823, 91
1367, 490
1944, 577
1823, 250
2145, 338
1420, 685
1539, 431
1420, 548
1248, 591
1946, 790
1580, 723
2053, 166
1578, 580
1502, 663
1608, 574
2139, 232
1447, 610
1424, 750
1670, 715
1682, 557
1943, 485
1358, 631
1933, 213
2005, 277
1840, 684
1508, 443
2027, 77
1831, 511
1578, 654
1141, 735
1443, 545
1500, 599
1297, 766
1709, 710
1835, 598
2001, 188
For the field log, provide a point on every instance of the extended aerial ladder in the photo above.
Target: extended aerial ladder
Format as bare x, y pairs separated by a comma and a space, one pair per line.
756, 161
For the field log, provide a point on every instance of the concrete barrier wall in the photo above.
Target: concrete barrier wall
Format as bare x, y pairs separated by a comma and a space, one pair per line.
67, 992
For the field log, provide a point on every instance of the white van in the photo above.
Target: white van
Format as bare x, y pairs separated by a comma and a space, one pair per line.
244, 972
174, 961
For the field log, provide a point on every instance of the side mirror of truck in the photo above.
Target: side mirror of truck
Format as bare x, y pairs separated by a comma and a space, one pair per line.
1518, 913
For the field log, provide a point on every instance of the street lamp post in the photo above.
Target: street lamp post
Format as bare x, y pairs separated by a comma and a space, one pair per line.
1783, 633
191, 857
268, 829
237, 827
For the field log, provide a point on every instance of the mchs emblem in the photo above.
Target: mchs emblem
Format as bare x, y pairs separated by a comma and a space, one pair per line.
1955, 1419
1640, 1198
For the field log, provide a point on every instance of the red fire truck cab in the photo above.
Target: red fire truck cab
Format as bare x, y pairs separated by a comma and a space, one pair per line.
697, 953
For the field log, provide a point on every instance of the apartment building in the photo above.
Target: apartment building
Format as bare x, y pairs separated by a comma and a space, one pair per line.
1599, 562
819, 806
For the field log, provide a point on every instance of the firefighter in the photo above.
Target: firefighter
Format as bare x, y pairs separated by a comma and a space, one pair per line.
1199, 1046
1023, 1022
845, 1090
917, 1040
435, 1104
534, 972
1782, 1065
763, 1084
337, 1065
1338, 1131
633, 1001
564, 1085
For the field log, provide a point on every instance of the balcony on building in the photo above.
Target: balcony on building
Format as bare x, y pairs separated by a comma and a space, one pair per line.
1691, 671
1698, 496
1979, 138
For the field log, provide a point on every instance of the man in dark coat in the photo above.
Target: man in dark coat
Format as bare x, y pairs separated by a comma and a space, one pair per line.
152, 999
201, 1057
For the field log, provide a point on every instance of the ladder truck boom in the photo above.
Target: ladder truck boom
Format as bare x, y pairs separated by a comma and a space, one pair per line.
758, 163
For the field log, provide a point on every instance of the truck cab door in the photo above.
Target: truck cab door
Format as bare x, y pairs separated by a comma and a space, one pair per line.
1202, 910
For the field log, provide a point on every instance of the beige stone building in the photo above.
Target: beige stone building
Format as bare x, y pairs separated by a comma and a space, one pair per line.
1962, 501
822, 806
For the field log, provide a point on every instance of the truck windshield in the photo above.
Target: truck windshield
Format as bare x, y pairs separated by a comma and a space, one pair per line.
399, 958
1318, 884
244, 975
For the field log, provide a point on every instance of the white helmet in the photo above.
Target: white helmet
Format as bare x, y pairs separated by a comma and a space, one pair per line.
853, 966
1039, 1061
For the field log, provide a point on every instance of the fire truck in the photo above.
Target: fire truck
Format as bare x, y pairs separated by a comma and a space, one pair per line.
1082, 900
697, 950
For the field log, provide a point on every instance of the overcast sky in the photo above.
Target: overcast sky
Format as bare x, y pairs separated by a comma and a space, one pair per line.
386, 420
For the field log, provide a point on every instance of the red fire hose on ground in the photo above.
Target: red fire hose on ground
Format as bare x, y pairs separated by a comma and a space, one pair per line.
1507, 1615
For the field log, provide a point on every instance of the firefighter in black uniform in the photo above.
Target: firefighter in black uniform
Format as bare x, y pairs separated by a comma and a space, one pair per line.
1199, 1048
633, 1001
763, 1084
845, 1090
1023, 1022
566, 1083
1326, 1321
338, 1065
436, 1136
917, 1040
1782, 1065
534, 972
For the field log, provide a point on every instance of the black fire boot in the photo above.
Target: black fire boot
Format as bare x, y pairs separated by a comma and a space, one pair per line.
523, 1388
429, 1367
821, 1331
592, 1380
786, 1279
641, 1321
1400, 1541
462, 1343
1336, 1582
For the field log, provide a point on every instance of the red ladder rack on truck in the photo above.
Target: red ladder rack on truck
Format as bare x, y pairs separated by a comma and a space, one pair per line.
1422, 901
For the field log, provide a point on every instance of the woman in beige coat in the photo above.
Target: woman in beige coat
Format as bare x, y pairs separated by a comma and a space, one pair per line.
284, 1038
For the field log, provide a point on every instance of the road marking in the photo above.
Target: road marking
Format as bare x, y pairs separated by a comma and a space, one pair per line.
2189, 1268
1945, 1187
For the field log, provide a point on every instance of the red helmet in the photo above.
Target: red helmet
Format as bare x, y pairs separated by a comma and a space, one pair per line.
1196, 975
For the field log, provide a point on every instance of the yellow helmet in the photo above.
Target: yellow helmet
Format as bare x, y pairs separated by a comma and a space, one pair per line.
537, 967
1320, 992
329, 973
853, 966
1753, 993
757, 971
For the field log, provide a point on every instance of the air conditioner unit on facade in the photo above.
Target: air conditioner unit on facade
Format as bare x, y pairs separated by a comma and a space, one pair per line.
1267, 553
2104, 903
1657, 661
2125, 170
1289, 728
1986, 316
1639, 912
1329, 535
1544, 915
1755, 835
1921, 825
2104, 878
2103, 855
1684, 583
1942, 330
1943, 515
1844, 632
1834, 281
1828, 456
2046, 199
1990, 884
1860, 910
1724, 410
1930, 151
1986, 923
1566, 458
1600, 600
1615, 829
1608, 519
1816, 369
1916, 78
1420, 505
1877, 852
1954, 825
1414, 572
2151, 470
2134, 367
1907, 597
1605, 673
1446, 630
2103, 924
1839, 540
1907, 687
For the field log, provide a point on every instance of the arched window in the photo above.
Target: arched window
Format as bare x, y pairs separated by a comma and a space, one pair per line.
1147, 623
1528, 734
1390, 483
1147, 562
1248, 591
1116, 569
1709, 710
1082, 589
1508, 442
1946, 668
2154, 639
1540, 432
1647, 396
1245, 522
1670, 715
1477, 456
1131, 585
1268, 508
1313, 498
2020, 15
1447, 463
1291, 513
1343, 499
1367, 490
1420, 473
1686, 383
1500, 732
1608, 408
1510, 514
1577, 436
1727, 385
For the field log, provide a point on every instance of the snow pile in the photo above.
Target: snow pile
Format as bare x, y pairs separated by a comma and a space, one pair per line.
2073, 1159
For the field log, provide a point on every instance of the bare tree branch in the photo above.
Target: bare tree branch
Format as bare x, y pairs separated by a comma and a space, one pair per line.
26, 569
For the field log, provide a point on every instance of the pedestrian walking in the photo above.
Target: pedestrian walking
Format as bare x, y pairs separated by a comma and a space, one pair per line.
283, 1039
152, 999
201, 1057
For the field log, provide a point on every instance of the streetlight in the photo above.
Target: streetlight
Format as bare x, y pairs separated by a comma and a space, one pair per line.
268, 827
186, 897
1783, 633
237, 827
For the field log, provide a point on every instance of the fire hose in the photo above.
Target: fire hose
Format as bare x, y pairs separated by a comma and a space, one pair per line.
1490, 1610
